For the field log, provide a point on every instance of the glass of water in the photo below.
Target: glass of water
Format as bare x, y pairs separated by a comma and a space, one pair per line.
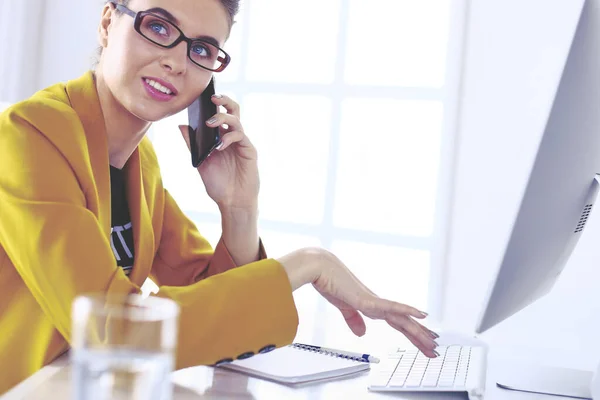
123, 347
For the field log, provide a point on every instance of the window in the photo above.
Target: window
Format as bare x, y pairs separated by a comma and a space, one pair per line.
349, 105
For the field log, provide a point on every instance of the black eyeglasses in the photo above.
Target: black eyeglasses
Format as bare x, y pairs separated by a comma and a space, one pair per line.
166, 34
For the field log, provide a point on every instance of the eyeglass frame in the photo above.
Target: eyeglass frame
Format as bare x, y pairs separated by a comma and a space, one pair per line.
138, 16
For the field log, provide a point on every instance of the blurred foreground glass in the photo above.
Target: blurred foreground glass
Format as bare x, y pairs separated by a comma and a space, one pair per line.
123, 347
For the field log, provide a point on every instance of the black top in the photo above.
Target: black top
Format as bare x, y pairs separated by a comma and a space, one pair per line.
121, 237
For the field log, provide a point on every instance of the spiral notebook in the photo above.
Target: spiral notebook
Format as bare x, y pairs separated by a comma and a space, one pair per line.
295, 364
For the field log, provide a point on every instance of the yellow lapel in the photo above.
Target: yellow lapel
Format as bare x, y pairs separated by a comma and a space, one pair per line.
84, 100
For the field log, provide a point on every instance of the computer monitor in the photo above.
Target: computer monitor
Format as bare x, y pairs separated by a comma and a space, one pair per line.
562, 186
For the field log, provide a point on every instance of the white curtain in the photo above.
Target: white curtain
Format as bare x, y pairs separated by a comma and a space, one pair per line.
21, 47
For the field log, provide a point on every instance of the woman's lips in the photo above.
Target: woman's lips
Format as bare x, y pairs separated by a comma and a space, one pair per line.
157, 94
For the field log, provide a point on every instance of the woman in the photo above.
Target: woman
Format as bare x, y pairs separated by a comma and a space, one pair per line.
83, 209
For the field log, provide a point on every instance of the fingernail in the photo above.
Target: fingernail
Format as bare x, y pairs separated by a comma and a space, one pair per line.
212, 120
436, 353
436, 344
434, 335
424, 313
220, 146
217, 96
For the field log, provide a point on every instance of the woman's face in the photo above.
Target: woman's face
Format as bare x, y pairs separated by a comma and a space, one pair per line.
129, 61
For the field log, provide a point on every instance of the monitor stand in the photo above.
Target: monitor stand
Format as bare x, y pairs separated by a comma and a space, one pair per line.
553, 380
548, 380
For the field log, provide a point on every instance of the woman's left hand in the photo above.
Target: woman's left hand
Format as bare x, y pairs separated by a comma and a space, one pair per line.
230, 173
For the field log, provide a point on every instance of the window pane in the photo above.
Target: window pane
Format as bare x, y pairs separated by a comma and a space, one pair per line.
394, 273
291, 134
278, 244
397, 42
293, 41
387, 170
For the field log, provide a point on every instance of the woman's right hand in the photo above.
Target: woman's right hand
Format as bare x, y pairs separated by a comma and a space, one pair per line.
334, 281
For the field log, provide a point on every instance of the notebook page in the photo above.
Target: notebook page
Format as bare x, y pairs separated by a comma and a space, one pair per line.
289, 364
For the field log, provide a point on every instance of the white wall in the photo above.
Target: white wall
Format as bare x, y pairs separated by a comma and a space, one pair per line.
515, 53
63, 20
41, 49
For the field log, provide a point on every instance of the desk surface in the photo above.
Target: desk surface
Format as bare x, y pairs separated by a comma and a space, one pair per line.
209, 383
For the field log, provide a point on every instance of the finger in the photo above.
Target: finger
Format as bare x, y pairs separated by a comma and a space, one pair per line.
185, 132
396, 313
230, 105
421, 341
416, 342
233, 137
425, 342
427, 330
422, 332
403, 309
378, 308
410, 326
413, 339
422, 327
231, 121
355, 321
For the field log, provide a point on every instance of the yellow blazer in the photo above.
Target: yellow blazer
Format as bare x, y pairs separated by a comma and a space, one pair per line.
55, 215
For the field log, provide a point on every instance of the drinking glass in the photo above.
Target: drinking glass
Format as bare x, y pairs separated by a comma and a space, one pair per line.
123, 347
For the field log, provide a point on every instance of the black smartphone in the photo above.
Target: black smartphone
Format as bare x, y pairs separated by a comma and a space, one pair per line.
203, 139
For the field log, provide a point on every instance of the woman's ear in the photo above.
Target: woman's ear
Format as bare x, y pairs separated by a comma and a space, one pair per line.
108, 13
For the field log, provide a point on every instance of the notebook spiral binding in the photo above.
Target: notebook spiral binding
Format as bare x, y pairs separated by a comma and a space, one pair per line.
315, 349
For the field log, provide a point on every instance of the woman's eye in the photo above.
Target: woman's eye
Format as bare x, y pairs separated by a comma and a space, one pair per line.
158, 28
200, 51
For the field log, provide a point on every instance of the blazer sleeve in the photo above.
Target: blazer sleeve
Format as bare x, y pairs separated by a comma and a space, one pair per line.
184, 256
58, 248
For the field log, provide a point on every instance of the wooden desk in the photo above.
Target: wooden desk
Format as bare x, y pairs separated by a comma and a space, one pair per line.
53, 382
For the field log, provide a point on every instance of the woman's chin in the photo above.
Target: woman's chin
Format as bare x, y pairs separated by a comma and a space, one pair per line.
148, 115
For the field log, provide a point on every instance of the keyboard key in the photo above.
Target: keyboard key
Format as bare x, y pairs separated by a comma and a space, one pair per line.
415, 376
444, 383
397, 381
461, 380
429, 383
447, 377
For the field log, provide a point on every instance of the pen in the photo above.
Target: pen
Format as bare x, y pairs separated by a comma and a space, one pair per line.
356, 356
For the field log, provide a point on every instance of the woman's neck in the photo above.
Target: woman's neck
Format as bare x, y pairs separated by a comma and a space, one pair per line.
124, 130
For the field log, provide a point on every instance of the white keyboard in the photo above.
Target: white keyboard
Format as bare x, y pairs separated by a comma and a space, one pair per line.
457, 369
